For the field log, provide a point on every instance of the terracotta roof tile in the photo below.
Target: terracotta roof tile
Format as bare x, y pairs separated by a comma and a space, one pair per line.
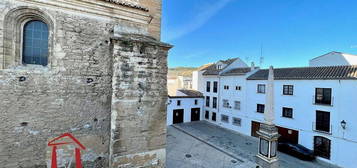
191, 92
309, 73
237, 71
212, 70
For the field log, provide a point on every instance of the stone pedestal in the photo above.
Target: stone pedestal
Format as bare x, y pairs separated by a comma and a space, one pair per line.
268, 143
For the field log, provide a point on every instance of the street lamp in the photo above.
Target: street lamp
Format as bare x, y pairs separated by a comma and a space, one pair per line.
343, 124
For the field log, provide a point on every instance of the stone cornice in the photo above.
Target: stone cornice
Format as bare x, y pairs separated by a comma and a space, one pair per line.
127, 4
100, 8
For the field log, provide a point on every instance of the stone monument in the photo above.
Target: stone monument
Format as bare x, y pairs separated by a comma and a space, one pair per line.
268, 133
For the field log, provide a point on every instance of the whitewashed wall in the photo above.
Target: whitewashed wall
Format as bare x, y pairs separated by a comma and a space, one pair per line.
211, 95
334, 59
238, 63
197, 81
344, 100
344, 106
344, 97
186, 104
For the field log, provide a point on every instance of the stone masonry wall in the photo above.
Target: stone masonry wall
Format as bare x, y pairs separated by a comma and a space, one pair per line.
74, 92
138, 136
59, 98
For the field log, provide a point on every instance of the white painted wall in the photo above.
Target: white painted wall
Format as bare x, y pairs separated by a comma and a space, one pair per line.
238, 63
184, 82
187, 104
344, 100
197, 81
211, 78
344, 97
334, 59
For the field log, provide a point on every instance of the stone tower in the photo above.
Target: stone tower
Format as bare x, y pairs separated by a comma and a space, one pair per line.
92, 68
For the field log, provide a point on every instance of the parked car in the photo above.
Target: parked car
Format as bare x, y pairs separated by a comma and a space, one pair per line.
296, 150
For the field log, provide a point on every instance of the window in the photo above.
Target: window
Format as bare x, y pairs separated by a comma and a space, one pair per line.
215, 87
196, 102
208, 86
323, 96
35, 43
288, 90
214, 103
260, 108
207, 115
237, 121
322, 121
207, 101
261, 88
27, 37
219, 67
226, 87
213, 116
237, 105
287, 112
238, 88
224, 118
178, 102
225, 103
322, 147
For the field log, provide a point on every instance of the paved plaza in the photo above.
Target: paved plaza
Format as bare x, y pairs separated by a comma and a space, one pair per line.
204, 145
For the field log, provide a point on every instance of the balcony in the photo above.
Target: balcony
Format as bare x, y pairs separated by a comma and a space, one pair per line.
322, 128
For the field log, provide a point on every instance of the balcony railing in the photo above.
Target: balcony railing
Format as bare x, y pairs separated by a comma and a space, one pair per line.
322, 128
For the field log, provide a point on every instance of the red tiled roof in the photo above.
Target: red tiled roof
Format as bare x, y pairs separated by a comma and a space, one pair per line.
237, 71
212, 70
308, 73
191, 92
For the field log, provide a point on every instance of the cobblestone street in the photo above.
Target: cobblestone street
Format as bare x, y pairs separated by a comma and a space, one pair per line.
203, 145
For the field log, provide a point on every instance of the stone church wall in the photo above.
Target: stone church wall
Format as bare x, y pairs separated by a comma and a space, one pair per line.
139, 102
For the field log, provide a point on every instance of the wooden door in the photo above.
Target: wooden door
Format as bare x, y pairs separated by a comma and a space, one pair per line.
322, 147
288, 135
195, 114
178, 116
255, 128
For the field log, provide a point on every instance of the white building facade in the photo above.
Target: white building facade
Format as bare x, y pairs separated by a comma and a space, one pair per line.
186, 106
333, 59
314, 106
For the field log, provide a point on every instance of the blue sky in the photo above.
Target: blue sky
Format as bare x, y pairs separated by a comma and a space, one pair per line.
290, 31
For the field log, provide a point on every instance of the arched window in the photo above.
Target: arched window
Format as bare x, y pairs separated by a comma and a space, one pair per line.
35, 43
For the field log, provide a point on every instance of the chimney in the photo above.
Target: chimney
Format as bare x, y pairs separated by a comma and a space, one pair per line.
252, 67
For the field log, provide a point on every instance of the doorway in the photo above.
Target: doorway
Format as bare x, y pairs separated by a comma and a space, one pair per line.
195, 114
178, 116
255, 128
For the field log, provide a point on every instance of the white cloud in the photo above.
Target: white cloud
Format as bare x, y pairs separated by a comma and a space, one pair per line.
198, 21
